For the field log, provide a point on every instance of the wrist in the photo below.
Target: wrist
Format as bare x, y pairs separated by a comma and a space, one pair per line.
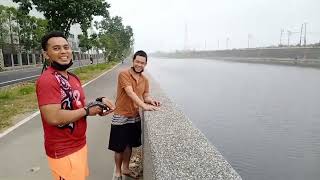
86, 109
144, 106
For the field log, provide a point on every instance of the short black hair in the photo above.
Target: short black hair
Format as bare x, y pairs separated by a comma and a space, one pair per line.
45, 38
140, 53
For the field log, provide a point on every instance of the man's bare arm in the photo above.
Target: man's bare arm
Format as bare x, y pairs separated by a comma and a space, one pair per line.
54, 115
137, 100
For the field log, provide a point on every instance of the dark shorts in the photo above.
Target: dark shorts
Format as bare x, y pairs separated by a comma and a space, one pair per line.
125, 135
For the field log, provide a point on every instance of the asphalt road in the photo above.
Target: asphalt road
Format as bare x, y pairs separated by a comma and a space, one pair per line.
20, 75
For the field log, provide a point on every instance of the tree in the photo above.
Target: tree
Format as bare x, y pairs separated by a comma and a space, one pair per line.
115, 39
17, 27
4, 30
95, 42
38, 32
127, 40
11, 14
63, 13
26, 24
84, 43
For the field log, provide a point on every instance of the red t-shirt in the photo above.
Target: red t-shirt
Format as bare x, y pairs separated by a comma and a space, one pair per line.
53, 88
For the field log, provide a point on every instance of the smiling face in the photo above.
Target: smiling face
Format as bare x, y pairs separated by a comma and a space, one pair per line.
139, 63
58, 50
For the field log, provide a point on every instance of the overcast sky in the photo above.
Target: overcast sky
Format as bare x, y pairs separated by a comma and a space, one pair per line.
169, 25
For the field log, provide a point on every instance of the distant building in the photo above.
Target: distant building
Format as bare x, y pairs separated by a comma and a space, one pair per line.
74, 30
74, 43
13, 55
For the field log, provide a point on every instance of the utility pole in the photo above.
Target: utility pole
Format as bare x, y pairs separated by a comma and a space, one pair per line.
227, 41
218, 44
289, 34
186, 37
281, 33
1, 60
300, 43
249, 37
305, 34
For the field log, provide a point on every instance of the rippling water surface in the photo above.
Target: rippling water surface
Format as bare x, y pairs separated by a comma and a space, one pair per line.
265, 119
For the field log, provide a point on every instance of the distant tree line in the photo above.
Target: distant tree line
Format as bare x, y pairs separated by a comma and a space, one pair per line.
112, 37
20, 31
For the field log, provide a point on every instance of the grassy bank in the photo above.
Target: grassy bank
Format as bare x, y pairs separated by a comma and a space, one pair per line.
21, 98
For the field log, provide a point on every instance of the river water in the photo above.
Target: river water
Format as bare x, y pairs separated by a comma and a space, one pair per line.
264, 119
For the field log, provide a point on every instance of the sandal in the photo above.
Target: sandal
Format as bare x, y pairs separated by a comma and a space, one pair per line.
117, 178
132, 174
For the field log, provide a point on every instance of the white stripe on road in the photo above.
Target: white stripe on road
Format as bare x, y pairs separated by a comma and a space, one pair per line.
6, 82
28, 69
101, 75
38, 112
19, 124
24, 70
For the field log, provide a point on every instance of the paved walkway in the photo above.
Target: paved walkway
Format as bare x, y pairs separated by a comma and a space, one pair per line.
22, 151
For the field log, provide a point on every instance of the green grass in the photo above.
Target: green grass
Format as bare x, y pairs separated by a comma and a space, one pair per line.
15, 100
5, 95
26, 90
21, 98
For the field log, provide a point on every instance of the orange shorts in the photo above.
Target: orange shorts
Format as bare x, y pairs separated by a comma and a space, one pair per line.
71, 167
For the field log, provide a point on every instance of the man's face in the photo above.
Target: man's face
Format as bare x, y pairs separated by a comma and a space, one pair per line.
139, 63
58, 50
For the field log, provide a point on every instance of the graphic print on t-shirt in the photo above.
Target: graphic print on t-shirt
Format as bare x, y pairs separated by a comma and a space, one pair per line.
67, 98
76, 97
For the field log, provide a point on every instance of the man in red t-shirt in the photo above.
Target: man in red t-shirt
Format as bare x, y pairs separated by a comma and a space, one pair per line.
63, 110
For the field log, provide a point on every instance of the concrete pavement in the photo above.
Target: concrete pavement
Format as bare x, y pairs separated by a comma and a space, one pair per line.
22, 151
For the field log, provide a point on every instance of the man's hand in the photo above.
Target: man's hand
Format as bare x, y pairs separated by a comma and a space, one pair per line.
94, 110
110, 105
150, 100
155, 103
148, 107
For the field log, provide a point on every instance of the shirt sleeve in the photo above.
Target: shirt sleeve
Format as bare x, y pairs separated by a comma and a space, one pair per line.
146, 89
48, 91
124, 80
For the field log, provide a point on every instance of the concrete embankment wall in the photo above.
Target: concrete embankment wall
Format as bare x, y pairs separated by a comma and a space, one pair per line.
289, 56
175, 149
282, 53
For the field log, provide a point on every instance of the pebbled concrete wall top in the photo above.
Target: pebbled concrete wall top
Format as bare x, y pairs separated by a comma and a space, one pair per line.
175, 149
